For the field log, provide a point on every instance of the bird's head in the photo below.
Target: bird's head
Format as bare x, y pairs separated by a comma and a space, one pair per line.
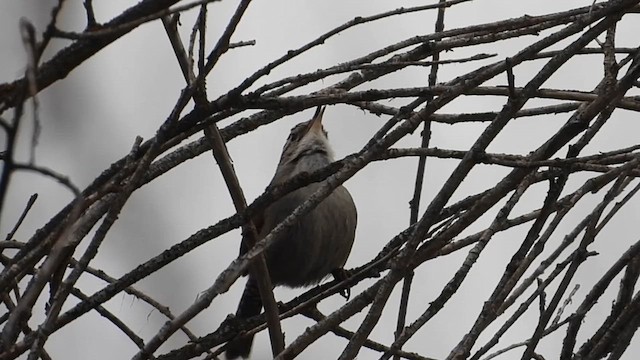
306, 149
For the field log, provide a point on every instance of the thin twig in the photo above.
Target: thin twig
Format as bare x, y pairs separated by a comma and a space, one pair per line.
414, 203
30, 202
62, 179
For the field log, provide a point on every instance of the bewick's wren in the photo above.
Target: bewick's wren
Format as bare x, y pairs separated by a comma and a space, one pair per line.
319, 243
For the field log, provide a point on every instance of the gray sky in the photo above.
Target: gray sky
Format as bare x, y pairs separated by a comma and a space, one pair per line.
91, 119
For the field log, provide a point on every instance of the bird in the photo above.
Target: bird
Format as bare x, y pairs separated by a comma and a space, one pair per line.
318, 244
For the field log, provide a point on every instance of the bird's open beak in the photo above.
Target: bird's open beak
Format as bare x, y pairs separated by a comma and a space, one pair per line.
315, 124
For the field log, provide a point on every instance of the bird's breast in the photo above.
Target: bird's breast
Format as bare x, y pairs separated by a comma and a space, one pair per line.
317, 243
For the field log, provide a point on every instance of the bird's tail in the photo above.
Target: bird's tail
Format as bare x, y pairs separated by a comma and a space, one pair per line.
250, 305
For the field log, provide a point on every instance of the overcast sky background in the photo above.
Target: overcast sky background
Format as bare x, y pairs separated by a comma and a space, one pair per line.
91, 119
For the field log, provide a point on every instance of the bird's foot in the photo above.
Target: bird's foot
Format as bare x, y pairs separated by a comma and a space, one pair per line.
340, 275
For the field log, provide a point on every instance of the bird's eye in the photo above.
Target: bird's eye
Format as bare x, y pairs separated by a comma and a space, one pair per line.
295, 136
296, 133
